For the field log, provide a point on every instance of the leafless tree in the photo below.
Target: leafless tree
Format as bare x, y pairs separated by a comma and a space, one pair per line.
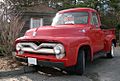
10, 26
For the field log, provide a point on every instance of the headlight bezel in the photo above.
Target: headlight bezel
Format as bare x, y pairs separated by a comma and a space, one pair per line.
18, 47
59, 49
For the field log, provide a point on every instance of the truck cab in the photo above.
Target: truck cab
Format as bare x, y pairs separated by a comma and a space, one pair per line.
74, 38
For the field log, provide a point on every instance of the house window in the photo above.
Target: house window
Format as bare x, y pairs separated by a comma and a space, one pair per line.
36, 22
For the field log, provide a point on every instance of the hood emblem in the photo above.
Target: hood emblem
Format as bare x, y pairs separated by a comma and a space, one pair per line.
83, 31
34, 33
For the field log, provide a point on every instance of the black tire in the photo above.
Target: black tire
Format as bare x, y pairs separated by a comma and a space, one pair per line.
111, 53
79, 68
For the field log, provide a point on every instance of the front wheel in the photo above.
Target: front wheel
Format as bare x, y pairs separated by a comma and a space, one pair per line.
112, 51
80, 67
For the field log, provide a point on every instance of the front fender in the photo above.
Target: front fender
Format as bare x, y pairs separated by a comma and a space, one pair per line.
73, 48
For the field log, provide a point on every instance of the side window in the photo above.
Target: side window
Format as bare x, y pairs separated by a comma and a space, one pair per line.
94, 19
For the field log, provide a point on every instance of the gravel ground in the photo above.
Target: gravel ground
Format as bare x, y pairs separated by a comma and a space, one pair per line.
102, 69
8, 64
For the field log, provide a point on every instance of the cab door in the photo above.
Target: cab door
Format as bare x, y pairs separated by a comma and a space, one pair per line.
98, 35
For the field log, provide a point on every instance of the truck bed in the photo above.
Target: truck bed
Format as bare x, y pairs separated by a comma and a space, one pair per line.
109, 31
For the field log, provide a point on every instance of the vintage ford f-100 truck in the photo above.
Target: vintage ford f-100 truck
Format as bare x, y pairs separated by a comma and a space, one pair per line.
73, 39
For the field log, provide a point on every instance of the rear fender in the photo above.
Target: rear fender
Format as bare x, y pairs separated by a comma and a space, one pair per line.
108, 42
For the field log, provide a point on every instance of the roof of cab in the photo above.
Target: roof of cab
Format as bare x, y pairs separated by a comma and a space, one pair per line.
77, 9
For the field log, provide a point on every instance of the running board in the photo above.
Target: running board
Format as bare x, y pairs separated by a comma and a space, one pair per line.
99, 54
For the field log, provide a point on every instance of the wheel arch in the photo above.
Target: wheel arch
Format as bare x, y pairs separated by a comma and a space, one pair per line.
88, 52
114, 42
109, 39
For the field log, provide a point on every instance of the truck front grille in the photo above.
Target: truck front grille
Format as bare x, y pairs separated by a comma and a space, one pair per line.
43, 48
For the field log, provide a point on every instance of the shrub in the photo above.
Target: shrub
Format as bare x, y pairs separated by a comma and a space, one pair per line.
9, 31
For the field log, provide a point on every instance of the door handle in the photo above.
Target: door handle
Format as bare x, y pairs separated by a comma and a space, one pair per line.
91, 28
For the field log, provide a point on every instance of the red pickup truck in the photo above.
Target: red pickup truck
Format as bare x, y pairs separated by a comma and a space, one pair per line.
74, 38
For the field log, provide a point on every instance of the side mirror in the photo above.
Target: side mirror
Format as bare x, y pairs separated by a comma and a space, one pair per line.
103, 27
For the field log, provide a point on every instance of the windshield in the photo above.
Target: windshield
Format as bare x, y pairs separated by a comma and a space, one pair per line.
70, 18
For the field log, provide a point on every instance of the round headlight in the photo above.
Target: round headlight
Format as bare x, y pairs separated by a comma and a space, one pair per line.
18, 47
59, 49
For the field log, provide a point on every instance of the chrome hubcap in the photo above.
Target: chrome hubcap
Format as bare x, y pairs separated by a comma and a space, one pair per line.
112, 50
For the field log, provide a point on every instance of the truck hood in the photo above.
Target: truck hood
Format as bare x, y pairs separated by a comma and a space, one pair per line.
57, 31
